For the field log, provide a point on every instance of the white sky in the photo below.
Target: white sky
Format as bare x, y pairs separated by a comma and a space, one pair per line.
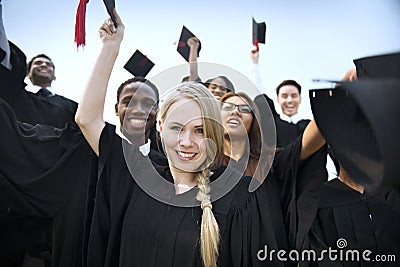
305, 39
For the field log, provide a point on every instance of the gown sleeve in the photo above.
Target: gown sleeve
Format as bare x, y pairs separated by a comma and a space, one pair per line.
100, 223
113, 193
39, 165
300, 185
44, 173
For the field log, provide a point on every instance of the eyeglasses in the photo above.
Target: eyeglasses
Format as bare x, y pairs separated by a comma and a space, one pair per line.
226, 106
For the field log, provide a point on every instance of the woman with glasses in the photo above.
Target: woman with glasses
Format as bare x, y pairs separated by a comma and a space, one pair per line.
297, 171
242, 132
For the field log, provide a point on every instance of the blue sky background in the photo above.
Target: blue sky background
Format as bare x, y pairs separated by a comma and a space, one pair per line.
305, 39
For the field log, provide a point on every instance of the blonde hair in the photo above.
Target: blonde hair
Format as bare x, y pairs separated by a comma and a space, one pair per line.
214, 132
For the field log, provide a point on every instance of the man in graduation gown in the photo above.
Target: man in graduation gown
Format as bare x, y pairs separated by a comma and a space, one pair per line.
29, 107
22, 225
286, 132
41, 73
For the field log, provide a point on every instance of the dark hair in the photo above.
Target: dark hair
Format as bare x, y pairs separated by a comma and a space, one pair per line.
141, 80
288, 82
35, 57
229, 84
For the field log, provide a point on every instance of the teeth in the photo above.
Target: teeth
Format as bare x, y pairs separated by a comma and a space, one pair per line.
234, 121
137, 121
186, 155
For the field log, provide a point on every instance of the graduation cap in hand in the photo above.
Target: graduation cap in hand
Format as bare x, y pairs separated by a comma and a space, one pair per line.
259, 30
359, 120
139, 64
183, 47
380, 66
110, 5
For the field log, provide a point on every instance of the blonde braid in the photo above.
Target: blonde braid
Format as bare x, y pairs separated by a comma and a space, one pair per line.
209, 233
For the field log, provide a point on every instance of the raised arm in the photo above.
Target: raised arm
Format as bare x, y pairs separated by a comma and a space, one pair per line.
193, 43
312, 140
89, 115
255, 73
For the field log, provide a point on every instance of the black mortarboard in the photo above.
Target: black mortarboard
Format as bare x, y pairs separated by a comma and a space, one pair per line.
381, 66
183, 47
110, 5
259, 30
139, 64
359, 120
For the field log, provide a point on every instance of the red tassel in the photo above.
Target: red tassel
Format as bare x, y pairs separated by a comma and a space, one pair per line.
80, 23
256, 42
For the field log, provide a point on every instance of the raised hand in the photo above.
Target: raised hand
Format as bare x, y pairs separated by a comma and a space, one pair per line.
109, 34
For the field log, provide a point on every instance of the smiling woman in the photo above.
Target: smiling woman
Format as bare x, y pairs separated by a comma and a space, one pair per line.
183, 137
243, 143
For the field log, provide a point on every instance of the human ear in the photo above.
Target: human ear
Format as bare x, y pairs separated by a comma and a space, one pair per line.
116, 109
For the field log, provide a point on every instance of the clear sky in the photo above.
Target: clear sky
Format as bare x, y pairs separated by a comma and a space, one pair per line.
305, 39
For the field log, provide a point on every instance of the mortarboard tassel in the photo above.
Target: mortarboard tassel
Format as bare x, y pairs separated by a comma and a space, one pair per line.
256, 42
80, 23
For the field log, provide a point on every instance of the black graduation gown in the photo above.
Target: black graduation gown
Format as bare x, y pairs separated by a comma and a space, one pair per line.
131, 228
368, 221
286, 132
273, 193
297, 184
56, 111
44, 172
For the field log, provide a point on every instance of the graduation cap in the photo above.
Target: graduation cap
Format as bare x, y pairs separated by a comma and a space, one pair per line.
139, 64
110, 5
259, 30
380, 66
183, 47
359, 120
